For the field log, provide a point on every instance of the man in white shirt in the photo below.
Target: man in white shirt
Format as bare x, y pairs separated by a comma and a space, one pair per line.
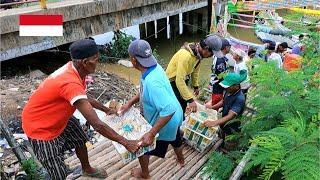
273, 56
239, 56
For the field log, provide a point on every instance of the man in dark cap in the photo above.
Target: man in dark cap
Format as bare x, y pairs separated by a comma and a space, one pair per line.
282, 49
47, 117
219, 68
160, 107
185, 65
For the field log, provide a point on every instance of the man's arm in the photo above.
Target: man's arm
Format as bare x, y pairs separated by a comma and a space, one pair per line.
222, 120
147, 139
87, 111
96, 104
218, 105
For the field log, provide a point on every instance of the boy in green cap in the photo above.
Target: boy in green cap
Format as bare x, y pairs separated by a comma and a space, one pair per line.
233, 103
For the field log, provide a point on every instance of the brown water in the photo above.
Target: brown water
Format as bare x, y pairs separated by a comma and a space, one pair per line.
166, 49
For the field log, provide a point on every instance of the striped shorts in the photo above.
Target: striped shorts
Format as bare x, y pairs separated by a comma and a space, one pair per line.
50, 153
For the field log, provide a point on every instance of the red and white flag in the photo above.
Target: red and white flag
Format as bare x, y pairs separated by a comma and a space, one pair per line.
41, 25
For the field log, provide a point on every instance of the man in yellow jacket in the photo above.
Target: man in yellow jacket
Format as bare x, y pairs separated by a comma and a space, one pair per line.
185, 64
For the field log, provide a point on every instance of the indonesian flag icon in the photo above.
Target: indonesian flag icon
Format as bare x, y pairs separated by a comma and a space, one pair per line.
41, 25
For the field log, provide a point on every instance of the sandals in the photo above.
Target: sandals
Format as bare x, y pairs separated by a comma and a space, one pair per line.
100, 173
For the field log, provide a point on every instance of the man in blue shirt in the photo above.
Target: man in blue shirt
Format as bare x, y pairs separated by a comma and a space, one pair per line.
160, 107
233, 103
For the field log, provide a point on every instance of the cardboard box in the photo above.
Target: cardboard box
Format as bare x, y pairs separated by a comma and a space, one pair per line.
197, 140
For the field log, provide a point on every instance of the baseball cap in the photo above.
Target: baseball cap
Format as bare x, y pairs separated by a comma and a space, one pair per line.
238, 52
83, 48
141, 50
233, 79
214, 42
225, 43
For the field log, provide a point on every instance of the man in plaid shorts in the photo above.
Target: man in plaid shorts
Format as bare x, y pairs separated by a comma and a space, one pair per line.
47, 117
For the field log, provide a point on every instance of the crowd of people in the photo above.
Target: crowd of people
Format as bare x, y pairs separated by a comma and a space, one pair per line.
164, 95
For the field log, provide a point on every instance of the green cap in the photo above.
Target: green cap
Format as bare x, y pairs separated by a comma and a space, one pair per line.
233, 79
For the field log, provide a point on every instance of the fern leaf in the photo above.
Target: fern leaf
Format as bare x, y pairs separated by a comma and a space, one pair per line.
302, 163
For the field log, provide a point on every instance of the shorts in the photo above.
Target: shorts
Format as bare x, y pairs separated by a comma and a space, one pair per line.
50, 153
162, 146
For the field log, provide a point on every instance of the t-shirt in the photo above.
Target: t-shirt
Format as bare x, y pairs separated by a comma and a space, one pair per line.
234, 102
242, 66
277, 58
159, 100
219, 66
50, 107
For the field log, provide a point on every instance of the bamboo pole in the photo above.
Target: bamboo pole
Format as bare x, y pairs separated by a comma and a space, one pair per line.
12, 142
238, 171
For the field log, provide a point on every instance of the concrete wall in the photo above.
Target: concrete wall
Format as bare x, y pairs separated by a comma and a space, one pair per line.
85, 18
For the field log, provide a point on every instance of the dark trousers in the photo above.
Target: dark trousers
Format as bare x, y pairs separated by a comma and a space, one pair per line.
182, 102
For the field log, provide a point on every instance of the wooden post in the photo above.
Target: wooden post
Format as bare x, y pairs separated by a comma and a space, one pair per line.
12, 142
213, 27
225, 20
43, 4
210, 15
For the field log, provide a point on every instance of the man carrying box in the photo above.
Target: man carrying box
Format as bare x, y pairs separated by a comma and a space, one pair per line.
47, 117
160, 107
233, 103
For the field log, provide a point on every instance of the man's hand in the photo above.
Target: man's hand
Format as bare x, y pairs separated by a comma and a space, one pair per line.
109, 111
147, 139
196, 91
209, 123
124, 108
192, 106
131, 145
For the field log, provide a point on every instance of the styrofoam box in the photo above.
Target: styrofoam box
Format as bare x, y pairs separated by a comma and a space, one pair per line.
138, 126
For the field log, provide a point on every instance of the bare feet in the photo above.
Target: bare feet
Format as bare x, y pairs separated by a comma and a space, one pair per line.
136, 172
180, 161
179, 155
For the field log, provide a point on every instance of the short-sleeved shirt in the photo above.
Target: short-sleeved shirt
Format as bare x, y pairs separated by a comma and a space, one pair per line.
276, 58
50, 107
219, 66
234, 102
242, 66
159, 100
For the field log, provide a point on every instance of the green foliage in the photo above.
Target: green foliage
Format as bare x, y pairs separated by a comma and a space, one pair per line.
31, 169
292, 148
218, 167
117, 48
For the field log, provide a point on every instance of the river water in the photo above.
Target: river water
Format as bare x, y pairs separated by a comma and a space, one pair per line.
166, 49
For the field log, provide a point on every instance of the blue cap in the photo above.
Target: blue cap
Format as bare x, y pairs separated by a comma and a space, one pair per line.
141, 50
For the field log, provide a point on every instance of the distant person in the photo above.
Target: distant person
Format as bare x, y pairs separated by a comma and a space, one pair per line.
218, 69
298, 47
185, 66
233, 104
47, 117
272, 56
160, 107
261, 51
240, 65
251, 56
282, 49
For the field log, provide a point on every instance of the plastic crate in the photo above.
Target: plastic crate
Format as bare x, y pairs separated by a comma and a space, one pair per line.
195, 121
132, 126
197, 140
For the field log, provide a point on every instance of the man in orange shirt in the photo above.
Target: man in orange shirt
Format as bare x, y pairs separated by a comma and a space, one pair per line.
47, 117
